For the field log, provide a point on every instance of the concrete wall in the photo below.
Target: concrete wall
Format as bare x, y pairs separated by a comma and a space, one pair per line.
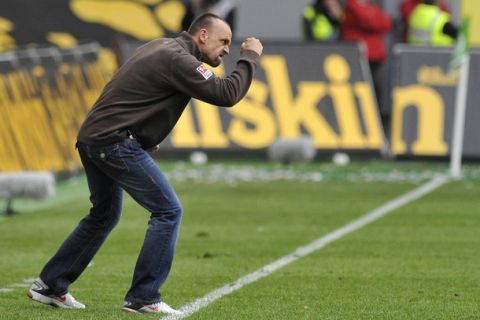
267, 19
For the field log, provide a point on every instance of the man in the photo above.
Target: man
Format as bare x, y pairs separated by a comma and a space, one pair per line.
365, 21
406, 8
321, 20
429, 25
135, 112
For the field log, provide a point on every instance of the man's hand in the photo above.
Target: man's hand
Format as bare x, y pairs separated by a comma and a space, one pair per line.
252, 44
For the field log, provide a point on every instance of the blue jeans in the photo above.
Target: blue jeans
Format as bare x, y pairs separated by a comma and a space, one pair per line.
110, 169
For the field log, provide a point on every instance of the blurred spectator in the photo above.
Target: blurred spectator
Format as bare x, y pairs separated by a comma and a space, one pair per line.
321, 20
406, 9
407, 6
429, 25
366, 22
225, 9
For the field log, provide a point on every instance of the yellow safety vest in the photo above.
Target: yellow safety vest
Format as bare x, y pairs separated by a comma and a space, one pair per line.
322, 29
425, 26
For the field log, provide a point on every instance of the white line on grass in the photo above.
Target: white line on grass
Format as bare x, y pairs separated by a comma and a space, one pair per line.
25, 283
301, 252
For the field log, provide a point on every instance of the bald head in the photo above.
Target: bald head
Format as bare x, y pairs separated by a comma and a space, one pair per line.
204, 21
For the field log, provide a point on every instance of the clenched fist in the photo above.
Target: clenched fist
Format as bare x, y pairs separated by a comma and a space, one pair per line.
252, 44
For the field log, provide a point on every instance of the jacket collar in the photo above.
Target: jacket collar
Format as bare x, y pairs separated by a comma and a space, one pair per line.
187, 42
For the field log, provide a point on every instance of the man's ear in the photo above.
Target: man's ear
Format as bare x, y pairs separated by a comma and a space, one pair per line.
203, 35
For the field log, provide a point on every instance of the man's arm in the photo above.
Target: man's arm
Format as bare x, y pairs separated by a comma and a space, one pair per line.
191, 77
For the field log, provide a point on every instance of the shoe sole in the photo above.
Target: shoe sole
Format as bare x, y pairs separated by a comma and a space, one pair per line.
35, 296
128, 310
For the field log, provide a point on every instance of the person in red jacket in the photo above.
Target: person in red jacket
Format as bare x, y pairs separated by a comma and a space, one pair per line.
406, 9
366, 22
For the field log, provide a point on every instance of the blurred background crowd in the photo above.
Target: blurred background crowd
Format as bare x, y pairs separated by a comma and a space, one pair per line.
421, 22
303, 40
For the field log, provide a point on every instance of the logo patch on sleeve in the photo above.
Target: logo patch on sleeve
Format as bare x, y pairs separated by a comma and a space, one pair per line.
204, 72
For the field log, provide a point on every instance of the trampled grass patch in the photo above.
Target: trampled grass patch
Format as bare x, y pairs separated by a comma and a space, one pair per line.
418, 262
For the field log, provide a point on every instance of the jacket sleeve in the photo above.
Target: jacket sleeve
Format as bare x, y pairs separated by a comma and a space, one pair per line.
190, 76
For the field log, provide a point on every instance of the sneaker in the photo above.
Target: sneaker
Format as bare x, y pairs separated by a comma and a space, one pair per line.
159, 307
41, 292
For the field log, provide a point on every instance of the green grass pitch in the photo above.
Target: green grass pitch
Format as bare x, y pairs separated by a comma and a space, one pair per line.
420, 261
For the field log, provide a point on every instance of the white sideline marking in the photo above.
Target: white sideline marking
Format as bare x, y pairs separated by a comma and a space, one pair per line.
301, 252
20, 285
25, 283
